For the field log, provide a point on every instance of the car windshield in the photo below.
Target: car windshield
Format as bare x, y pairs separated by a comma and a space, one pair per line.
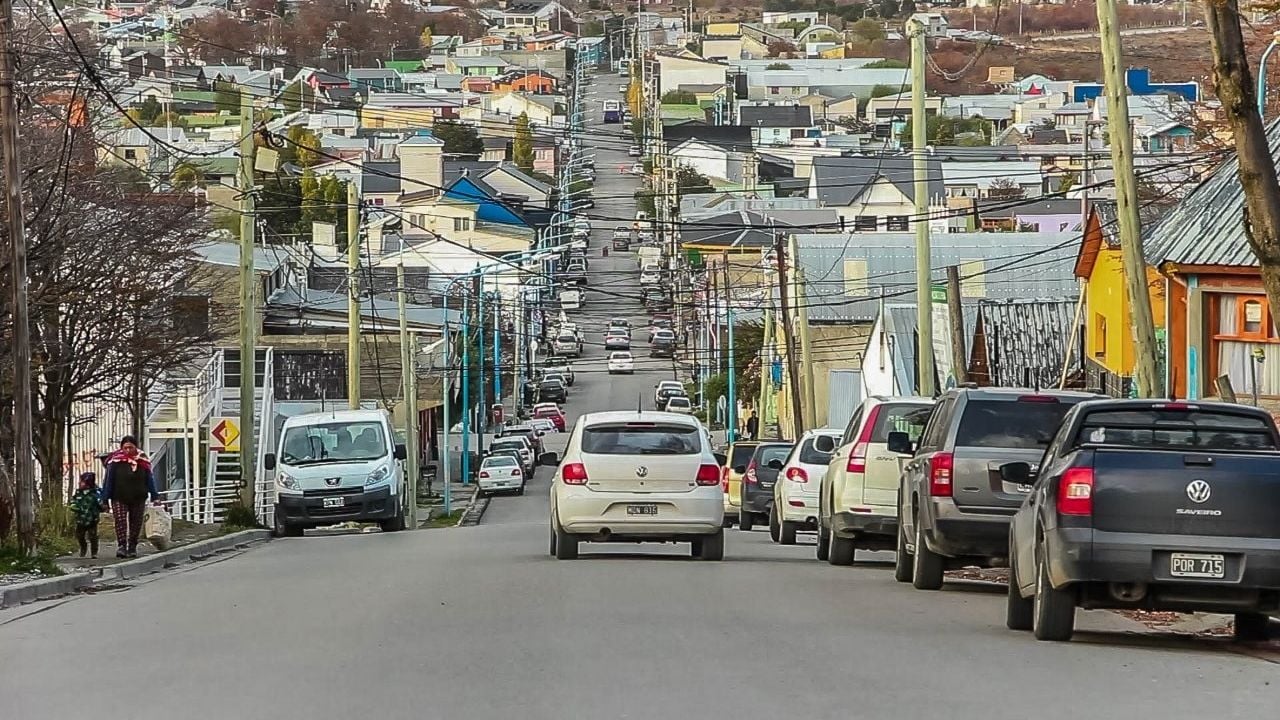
1018, 425
333, 442
1182, 428
498, 461
512, 444
741, 454
641, 438
900, 417
811, 455
766, 454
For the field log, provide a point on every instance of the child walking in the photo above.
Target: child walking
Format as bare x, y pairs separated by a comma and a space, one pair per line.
87, 506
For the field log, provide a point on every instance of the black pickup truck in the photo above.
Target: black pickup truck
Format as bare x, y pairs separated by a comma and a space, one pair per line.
1153, 505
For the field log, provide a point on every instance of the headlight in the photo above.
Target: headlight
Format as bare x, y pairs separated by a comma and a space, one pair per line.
286, 482
378, 476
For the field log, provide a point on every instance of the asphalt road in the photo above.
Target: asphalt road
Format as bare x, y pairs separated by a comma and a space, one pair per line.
479, 623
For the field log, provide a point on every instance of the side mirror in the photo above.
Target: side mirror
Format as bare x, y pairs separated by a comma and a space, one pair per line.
549, 458
400, 452
721, 459
269, 461
824, 444
541, 433
740, 470
1018, 473
900, 442
775, 464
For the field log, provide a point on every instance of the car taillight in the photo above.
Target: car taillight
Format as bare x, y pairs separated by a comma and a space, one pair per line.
797, 475
751, 473
515, 472
574, 474
858, 455
708, 475
940, 475
1075, 492
484, 473
724, 478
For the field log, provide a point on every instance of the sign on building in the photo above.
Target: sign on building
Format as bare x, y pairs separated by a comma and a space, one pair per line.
224, 435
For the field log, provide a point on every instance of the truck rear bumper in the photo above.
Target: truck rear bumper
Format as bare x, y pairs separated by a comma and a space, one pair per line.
1086, 555
851, 524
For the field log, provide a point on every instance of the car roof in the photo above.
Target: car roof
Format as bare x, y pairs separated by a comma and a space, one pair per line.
498, 456
674, 398
671, 383
1008, 393
616, 416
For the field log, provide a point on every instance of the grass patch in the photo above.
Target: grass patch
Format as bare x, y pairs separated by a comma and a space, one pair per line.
239, 518
446, 520
14, 563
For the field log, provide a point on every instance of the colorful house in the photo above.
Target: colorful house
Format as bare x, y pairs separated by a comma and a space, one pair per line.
536, 82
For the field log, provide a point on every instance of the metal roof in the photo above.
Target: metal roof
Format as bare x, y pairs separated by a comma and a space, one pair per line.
841, 180
993, 266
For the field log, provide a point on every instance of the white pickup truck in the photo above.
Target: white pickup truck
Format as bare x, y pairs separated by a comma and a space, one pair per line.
648, 255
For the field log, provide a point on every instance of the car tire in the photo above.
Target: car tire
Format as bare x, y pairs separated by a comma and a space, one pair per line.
823, 548
1251, 627
787, 532
552, 550
280, 528
745, 521
1054, 610
727, 522
903, 560
1019, 612
520, 490
395, 524
710, 547
566, 545
926, 571
841, 551
775, 525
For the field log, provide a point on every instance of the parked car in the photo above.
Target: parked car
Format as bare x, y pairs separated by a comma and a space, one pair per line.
795, 496
567, 344
737, 455
559, 367
621, 362
758, 479
625, 505
1148, 504
663, 344
634, 151
971, 433
858, 498
621, 243
550, 411
519, 443
679, 404
552, 391
658, 324
526, 431
637, 169
544, 425
664, 390
650, 275
500, 473
570, 299
617, 340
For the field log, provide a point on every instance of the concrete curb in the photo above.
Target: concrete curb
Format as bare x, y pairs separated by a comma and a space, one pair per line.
181, 555
43, 589
475, 510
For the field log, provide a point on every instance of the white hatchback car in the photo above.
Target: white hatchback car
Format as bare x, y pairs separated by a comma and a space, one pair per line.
636, 477
621, 362
795, 495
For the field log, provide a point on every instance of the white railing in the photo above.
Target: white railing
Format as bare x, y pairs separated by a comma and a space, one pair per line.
266, 424
208, 387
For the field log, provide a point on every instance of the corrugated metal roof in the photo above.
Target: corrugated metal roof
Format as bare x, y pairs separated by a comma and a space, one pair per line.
1207, 226
841, 180
995, 266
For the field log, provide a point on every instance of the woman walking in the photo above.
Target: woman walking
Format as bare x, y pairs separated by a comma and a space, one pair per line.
127, 487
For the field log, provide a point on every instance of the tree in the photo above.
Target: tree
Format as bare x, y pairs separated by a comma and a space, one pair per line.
679, 97
302, 147
522, 145
334, 192
781, 48
186, 177
886, 64
1234, 84
296, 96
169, 119
147, 111
459, 139
426, 39
691, 182
226, 96
1005, 189
868, 29
777, 66
947, 130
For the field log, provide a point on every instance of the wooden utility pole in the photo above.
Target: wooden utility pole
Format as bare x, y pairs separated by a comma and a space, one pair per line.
955, 314
24, 469
766, 371
920, 159
409, 380
248, 303
797, 411
800, 297
1135, 268
353, 295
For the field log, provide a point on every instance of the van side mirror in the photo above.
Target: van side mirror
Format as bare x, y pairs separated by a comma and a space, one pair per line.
269, 461
549, 458
1018, 473
400, 452
824, 444
900, 442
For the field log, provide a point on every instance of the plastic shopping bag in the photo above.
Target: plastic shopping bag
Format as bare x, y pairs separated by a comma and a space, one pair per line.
157, 525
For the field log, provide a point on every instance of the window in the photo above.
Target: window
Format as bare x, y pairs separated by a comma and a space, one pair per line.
897, 223
191, 315
461, 224
1010, 423
130, 154
641, 439
1244, 317
773, 89
866, 223
1100, 336
1252, 314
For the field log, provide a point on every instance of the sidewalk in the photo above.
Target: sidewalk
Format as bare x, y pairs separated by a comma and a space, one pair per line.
184, 533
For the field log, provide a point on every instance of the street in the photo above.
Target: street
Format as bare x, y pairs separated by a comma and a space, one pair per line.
479, 622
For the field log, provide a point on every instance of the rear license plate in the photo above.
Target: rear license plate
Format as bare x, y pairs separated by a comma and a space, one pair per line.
335, 502
645, 509
1195, 565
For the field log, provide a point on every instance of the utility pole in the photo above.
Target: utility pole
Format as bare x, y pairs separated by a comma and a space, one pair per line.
353, 295
248, 302
1135, 269
797, 418
497, 348
731, 406
409, 380
799, 296
481, 387
23, 463
920, 159
955, 314
466, 388
766, 371
446, 462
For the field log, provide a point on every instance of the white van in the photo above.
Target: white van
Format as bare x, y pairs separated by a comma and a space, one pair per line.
570, 299
339, 466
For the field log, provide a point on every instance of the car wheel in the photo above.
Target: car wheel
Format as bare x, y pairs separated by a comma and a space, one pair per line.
552, 551
727, 522
1251, 627
745, 520
280, 528
824, 542
902, 560
1054, 611
710, 547
1019, 611
566, 545
395, 524
841, 550
926, 571
775, 529
787, 533
520, 490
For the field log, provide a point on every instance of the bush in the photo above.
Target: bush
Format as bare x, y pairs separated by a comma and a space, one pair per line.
13, 562
240, 517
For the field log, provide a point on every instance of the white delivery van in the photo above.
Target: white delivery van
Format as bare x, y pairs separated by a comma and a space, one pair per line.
570, 299
648, 255
333, 467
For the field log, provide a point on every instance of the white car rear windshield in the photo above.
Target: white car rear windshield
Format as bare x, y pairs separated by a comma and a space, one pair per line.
514, 443
498, 461
641, 438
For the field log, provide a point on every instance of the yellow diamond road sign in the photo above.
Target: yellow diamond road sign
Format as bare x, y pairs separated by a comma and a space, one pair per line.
224, 436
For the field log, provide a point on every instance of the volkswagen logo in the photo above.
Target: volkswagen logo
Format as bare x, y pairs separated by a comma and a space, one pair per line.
1198, 491
642, 471
332, 482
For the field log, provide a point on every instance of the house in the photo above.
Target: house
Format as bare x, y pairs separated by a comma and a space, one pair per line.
133, 146
529, 18
525, 81
711, 160
676, 70
779, 125
382, 80
481, 46
539, 108
777, 86
1168, 138
408, 110
889, 113
875, 193
982, 179
380, 183
458, 220
496, 149
715, 231
142, 64
722, 47
592, 50
1019, 215
476, 84
483, 66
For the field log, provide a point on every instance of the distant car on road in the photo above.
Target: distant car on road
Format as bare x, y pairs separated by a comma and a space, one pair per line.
634, 151
621, 362
1148, 504
663, 344
637, 169
519, 443
500, 473
617, 341
679, 404
758, 479
552, 391
795, 496
544, 425
636, 477
550, 411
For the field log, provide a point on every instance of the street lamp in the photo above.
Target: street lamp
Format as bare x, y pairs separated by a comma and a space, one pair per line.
1262, 75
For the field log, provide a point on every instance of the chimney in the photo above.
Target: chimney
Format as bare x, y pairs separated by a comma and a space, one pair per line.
421, 164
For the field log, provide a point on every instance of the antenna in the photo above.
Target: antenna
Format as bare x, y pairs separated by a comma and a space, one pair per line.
639, 403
